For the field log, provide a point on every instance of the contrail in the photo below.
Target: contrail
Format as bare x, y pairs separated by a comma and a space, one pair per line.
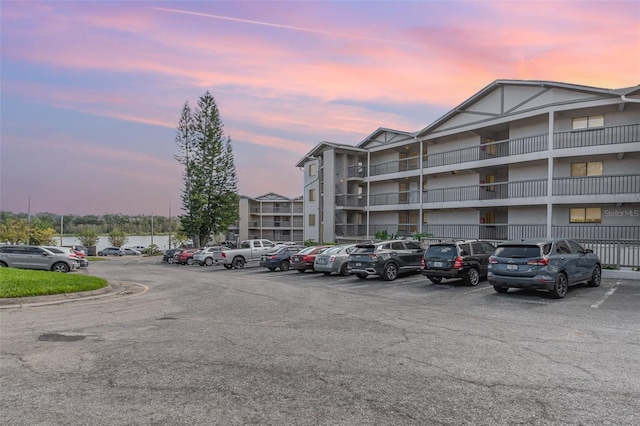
286, 27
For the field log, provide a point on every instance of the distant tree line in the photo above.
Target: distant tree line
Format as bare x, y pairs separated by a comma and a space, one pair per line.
102, 225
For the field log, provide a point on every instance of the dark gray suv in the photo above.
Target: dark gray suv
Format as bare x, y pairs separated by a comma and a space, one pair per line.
387, 259
545, 264
35, 257
464, 259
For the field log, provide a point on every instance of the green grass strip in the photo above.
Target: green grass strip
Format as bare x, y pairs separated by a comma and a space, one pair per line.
24, 283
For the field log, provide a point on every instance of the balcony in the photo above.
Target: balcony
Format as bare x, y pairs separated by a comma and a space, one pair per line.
587, 185
276, 210
395, 166
350, 230
276, 224
351, 200
597, 136
513, 147
356, 172
394, 198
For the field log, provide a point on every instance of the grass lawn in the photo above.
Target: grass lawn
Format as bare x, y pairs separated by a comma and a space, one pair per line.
23, 282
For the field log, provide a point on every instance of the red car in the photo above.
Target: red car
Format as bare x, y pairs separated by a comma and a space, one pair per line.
304, 259
185, 257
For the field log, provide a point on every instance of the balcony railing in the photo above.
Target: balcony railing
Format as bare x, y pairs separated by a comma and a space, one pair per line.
593, 185
586, 185
276, 224
350, 230
518, 146
597, 136
351, 200
356, 172
396, 166
404, 197
269, 209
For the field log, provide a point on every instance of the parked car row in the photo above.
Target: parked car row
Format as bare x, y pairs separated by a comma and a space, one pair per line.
543, 264
48, 258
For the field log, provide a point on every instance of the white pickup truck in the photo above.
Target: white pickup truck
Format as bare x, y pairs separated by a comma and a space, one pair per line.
247, 251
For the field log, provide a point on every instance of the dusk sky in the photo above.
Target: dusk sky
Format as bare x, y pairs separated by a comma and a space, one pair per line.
91, 92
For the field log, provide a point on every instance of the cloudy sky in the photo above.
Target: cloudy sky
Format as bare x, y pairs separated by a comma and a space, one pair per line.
91, 92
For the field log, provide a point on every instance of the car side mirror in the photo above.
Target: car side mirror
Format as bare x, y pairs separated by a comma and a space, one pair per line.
588, 251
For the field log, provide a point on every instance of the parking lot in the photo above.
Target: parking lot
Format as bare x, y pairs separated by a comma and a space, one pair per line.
207, 345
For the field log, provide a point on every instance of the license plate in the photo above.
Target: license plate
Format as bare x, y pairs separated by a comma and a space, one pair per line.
358, 264
512, 267
437, 264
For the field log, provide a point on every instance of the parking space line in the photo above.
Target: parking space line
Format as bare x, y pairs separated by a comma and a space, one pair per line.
606, 296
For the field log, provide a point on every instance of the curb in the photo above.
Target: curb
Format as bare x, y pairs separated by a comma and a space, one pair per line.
621, 275
116, 288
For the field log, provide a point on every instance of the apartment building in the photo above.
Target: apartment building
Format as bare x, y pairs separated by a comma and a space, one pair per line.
270, 216
519, 159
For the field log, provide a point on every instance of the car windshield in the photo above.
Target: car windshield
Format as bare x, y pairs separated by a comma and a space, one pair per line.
306, 250
442, 252
333, 250
523, 252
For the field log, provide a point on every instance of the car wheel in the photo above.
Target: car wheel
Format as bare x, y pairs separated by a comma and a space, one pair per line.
190, 261
344, 270
361, 276
436, 280
560, 287
500, 289
271, 268
3, 265
170, 260
238, 263
208, 261
473, 277
60, 267
228, 266
390, 272
596, 277
284, 265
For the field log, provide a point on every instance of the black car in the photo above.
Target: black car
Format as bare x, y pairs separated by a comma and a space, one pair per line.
464, 259
279, 257
387, 259
167, 256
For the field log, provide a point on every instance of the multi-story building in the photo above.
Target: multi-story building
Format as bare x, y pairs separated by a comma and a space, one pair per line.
270, 216
518, 159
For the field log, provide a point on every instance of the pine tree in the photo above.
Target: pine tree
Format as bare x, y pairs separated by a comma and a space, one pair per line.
210, 197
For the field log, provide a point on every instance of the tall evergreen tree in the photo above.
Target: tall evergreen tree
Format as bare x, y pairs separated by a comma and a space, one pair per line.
210, 197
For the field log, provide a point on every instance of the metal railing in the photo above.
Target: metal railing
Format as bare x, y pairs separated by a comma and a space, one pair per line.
356, 172
351, 200
510, 147
591, 185
597, 136
403, 197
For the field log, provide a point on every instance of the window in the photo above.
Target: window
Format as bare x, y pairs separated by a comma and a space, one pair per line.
490, 179
312, 220
408, 160
312, 169
312, 195
585, 215
586, 169
424, 217
489, 147
403, 195
587, 122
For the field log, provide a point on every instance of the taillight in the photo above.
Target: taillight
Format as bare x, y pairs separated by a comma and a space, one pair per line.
224, 255
539, 262
422, 263
373, 256
493, 260
308, 259
332, 258
457, 264
272, 257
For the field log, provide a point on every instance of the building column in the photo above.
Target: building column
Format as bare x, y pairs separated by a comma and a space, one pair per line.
550, 166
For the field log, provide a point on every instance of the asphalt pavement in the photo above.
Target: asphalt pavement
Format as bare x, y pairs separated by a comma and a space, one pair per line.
170, 344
